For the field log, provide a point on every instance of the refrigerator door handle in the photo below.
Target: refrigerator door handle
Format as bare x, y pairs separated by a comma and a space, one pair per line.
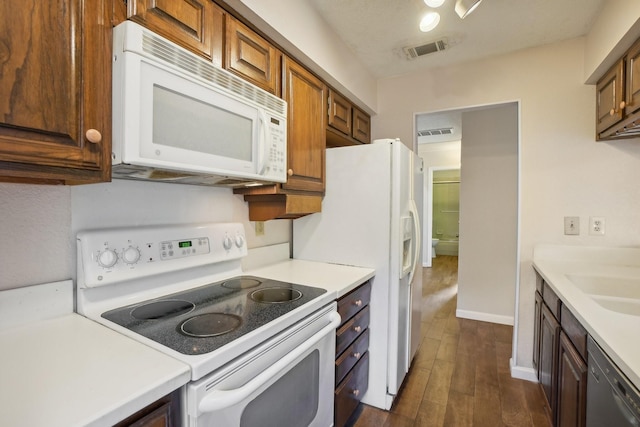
413, 210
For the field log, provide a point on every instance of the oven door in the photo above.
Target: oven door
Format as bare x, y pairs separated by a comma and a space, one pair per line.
288, 380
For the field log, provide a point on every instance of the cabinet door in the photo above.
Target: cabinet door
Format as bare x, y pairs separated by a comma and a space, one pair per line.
633, 80
537, 318
361, 126
306, 123
548, 377
250, 56
339, 113
608, 98
196, 25
572, 385
55, 91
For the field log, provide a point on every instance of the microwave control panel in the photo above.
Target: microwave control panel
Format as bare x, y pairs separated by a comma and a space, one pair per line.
276, 151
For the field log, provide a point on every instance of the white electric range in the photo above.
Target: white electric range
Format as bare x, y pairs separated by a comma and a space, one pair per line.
252, 343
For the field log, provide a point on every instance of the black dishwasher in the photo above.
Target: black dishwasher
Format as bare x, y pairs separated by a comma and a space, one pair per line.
611, 398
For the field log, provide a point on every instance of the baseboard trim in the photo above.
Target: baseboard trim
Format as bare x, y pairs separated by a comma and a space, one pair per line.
485, 317
522, 373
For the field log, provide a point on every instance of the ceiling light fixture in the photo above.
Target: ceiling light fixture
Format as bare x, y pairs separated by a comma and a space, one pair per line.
465, 7
434, 3
429, 22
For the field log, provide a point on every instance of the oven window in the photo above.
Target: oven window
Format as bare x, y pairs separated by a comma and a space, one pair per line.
291, 401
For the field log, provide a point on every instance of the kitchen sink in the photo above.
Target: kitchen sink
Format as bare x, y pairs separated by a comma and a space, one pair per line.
617, 294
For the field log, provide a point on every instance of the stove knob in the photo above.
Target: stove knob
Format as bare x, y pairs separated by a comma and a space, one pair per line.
227, 242
131, 255
107, 258
239, 240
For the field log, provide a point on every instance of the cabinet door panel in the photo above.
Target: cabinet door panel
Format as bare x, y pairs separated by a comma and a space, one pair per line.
536, 331
194, 24
251, 57
609, 95
306, 123
549, 332
633, 80
55, 85
572, 385
339, 113
361, 126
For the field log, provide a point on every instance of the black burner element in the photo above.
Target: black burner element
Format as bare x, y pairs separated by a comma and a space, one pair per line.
161, 309
241, 283
275, 295
210, 325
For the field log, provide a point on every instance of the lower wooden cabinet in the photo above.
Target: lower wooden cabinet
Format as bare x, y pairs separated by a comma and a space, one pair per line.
572, 385
352, 355
560, 355
164, 412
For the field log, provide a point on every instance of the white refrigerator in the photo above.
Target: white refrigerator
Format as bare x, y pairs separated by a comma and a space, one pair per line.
372, 217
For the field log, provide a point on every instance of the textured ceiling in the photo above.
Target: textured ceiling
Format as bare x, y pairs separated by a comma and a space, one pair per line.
377, 30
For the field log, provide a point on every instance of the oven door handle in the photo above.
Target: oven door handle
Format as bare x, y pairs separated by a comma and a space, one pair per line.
219, 399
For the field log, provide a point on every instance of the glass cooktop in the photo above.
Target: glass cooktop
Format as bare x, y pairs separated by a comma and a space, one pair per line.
203, 319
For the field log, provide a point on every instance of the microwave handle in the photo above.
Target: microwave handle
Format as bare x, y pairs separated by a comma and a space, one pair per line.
219, 399
263, 146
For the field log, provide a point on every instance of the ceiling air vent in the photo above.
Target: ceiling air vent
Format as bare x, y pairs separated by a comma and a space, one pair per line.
432, 132
413, 52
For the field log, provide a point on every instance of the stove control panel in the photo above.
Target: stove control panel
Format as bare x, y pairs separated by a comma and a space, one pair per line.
116, 255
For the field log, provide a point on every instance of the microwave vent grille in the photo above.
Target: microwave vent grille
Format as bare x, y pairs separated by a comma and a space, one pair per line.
186, 61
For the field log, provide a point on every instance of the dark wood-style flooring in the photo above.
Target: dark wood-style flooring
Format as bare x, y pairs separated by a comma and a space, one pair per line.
460, 375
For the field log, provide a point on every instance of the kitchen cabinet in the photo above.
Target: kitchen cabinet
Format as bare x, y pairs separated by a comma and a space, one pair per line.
164, 412
55, 91
346, 123
306, 143
251, 57
618, 98
560, 354
196, 25
352, 357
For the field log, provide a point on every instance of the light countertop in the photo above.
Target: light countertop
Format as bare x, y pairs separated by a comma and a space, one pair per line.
65, 370
337, 279
615, 332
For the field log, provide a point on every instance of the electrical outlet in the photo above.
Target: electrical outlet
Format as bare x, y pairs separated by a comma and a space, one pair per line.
259, 228
596, 226
572, 225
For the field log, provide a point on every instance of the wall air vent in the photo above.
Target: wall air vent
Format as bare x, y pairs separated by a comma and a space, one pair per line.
413, 52
432, 132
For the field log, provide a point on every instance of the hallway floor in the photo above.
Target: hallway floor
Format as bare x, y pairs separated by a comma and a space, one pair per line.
460, 375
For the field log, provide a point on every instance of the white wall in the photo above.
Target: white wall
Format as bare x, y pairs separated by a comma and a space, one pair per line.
563, 170
488, 214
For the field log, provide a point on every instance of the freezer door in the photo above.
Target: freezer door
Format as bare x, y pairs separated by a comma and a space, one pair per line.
416, 282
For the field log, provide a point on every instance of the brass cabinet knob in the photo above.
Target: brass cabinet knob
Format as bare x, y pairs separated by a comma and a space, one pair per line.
357, 328
622, 105
357, 302
290, 172
612, 112
93, 136
355, 392
356, 355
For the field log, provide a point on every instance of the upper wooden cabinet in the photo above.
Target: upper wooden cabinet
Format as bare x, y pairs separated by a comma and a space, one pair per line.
251, 57
55, 91
618, 98
305, 95
347, 124
306, 125
197, 25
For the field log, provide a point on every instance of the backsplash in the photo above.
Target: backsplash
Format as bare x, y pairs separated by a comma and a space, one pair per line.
39, 222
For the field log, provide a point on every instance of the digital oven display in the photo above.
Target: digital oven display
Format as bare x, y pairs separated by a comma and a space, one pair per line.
185, 244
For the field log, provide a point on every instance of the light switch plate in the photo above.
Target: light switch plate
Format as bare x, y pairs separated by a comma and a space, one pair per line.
571, 225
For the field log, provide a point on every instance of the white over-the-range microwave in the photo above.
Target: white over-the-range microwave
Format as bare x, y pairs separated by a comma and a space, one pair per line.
178, 118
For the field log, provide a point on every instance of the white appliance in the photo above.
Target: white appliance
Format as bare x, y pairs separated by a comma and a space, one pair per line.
178, 118
371, 217
261, 351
